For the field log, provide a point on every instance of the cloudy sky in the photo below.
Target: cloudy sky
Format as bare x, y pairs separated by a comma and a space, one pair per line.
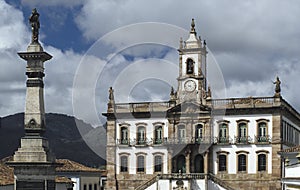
100, 43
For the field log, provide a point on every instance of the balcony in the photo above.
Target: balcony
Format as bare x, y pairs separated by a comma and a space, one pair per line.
204, 140
224, 140
183, 176
163, 141
263, 139
142, 142
158, 141
123, 141
242, 139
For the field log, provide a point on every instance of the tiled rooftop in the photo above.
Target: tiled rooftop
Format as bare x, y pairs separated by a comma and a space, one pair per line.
7, 173
71, 166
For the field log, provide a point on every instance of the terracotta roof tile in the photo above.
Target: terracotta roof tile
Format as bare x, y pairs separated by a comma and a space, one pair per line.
69, 165
6, 174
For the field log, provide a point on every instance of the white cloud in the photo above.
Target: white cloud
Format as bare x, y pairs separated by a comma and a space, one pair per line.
253, 42
60, 71
66, 3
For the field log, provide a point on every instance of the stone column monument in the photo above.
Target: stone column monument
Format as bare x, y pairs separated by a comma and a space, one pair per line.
33, 163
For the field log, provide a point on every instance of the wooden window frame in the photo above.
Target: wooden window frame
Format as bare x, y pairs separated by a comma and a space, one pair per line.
225, 153
262, 152
238, 153
239, 122
137, 162
162, 163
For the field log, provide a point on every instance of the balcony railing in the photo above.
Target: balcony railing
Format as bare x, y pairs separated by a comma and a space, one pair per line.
158, 141
163, 141
142, 107
243, 139
223, 140
262, 139
250, 102
203, 140
182, 176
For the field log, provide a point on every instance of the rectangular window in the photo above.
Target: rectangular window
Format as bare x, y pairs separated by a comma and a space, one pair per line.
124, 164
223, 133
242, 164
141, 135
141, 164
158, 135
181, 133
157, 164
124, 135
222, 163
262, 162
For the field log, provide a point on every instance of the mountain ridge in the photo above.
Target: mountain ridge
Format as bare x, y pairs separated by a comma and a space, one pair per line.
63, 134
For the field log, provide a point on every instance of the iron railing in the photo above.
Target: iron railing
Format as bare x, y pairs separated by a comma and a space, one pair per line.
204, 140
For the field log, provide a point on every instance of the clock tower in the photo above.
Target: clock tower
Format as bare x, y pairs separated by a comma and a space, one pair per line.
192, 69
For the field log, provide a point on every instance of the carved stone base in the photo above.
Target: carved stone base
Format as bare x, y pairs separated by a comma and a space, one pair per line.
33, 149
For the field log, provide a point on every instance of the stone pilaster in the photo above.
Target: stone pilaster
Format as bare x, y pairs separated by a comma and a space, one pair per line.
111, 144
170, 155
187, 161
111, 156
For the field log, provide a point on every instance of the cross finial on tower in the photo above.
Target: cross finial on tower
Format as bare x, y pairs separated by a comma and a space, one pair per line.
180, 43
193, 26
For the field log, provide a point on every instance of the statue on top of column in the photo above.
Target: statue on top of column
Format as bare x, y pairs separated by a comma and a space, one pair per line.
35, 26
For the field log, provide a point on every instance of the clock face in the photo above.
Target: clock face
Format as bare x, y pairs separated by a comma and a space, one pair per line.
190, 85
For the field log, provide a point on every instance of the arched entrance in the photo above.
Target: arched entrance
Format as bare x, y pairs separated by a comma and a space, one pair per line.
181, 167
199, 164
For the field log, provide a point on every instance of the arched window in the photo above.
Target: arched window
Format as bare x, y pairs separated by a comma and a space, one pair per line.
199, 164
141, 135
262, 132
222, 162
199, 133
141, 163
181, 133
124, 135
124, 164
223, 130
158, 135
189, 66
158, 163
242, 132
242, 162
181, 167
262, 162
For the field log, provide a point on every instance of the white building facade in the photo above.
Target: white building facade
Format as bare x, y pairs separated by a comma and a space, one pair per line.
193, 141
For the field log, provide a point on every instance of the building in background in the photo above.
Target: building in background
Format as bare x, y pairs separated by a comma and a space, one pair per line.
194, 141
69, 176
291, 168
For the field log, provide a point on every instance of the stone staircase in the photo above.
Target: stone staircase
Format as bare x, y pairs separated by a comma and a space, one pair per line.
220, 182
148, 183
210, 176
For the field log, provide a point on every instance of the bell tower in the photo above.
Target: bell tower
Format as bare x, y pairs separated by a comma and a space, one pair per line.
192, 68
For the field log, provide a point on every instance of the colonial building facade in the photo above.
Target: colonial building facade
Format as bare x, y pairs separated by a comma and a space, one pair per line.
193, 141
